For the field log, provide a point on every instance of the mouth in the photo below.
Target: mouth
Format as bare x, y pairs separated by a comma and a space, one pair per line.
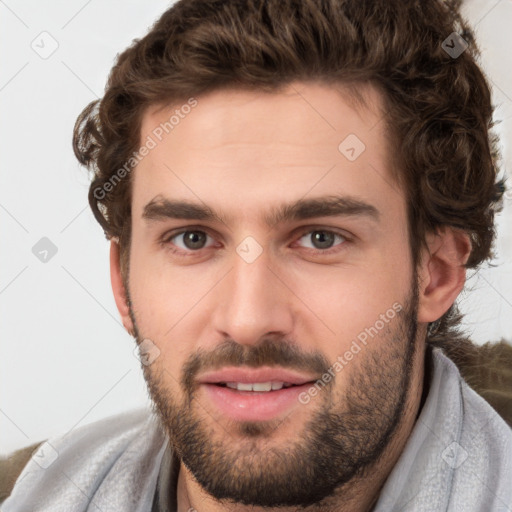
260, 387
248, 394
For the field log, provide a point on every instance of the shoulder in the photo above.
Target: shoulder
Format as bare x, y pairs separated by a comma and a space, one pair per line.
107, 436
459, 452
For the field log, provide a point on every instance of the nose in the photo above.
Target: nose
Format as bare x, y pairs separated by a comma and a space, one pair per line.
254, 301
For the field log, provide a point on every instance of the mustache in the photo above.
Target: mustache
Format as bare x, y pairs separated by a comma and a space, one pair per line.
270, 352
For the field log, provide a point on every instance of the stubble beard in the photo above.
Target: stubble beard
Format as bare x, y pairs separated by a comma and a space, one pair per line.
346, 434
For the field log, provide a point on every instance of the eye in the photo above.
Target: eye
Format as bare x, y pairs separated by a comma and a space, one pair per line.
188, 240
322, 239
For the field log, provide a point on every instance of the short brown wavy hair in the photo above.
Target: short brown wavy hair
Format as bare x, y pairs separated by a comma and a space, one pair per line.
438, 106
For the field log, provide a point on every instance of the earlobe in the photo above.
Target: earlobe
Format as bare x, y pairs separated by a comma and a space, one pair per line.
442, 273
118, 287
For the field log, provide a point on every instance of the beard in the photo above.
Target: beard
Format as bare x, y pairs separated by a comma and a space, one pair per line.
346, 433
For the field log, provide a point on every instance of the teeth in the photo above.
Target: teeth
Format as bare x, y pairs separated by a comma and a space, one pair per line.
262, 386
257, 386
242, 386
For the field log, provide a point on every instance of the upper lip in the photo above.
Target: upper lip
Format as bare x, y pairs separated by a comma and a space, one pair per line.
253, 375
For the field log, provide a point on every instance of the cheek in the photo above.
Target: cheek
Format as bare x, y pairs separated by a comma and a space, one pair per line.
347, 300
167, 303
154, 304
156, 288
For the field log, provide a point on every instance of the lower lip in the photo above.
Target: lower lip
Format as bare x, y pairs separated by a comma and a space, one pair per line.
254, 405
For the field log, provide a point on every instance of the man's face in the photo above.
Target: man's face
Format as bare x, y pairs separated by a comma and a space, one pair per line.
246, 296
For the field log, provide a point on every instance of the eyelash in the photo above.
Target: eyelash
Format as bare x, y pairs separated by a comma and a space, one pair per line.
167, 237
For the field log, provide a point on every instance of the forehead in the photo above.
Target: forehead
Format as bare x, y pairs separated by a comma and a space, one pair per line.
249, 149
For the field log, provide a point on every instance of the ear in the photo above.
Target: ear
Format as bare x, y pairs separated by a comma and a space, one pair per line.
442, 273
118, 288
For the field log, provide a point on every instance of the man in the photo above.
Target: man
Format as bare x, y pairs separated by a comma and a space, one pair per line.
293, 192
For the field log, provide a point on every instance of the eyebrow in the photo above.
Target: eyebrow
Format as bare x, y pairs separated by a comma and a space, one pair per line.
161, 208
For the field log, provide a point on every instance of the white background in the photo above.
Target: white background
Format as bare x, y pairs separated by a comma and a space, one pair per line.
65, 358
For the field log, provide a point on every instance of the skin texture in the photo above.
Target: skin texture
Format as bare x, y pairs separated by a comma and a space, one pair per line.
302, 300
